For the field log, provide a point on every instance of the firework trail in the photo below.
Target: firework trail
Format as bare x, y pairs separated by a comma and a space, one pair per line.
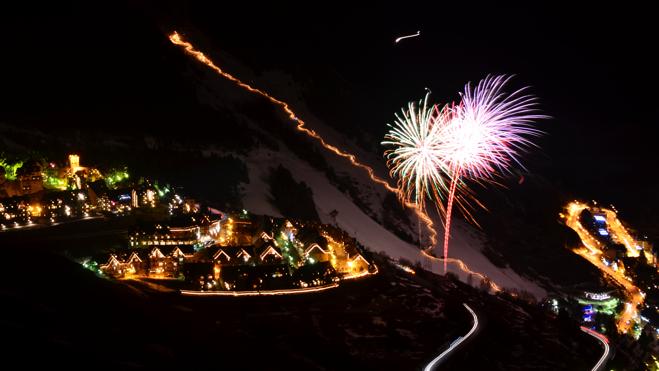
176, 39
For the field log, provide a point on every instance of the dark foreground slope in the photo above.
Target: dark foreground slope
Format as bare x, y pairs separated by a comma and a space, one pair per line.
66, 316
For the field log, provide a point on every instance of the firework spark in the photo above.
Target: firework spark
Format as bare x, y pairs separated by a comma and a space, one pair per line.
416, 159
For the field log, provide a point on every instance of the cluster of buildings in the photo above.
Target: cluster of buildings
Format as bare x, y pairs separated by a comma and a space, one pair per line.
40, 192
33, 176
207, 250
212, 252
616, 242
156, 262
623, 257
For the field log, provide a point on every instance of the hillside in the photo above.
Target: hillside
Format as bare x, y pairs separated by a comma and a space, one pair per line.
393, 320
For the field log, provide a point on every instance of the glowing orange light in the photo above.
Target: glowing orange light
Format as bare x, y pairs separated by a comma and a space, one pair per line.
593, 252
189, 48
260, 293
465, 269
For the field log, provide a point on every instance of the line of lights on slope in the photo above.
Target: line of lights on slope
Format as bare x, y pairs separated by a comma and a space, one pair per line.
279, 292
621, 233
261, 293
465, 269
176, 39
404, 268
605, 342
362, 274
592, 255
455, 343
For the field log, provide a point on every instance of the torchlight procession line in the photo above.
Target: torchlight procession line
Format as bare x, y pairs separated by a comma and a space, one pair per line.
178, 40
465, 268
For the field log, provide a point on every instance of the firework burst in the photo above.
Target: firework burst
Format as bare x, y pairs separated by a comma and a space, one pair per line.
479, 139
487, 132
416, 159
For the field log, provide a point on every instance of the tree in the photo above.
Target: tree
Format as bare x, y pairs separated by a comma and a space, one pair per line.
293, 199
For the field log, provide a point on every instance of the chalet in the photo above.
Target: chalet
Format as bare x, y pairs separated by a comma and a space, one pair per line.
237, 232
160, 235
309, 236
244, 255
270, 254
200, 275
260, 277
113, 268
135, 265
166, 261
357, 263
221, 257
314, 274
314, 252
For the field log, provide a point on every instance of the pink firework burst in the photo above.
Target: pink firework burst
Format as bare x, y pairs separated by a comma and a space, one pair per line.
485, 136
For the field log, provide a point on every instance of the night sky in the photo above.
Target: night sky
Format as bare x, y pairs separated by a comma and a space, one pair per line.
110, 65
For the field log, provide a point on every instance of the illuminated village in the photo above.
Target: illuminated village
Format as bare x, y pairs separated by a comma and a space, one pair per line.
626, 260
346, 188
39, 192
190, 248
224, 253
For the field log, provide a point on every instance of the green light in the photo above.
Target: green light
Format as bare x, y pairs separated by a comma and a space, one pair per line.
55, 182
10, 169
116, 176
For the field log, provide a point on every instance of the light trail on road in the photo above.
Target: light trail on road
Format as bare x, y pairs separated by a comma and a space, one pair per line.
605, 342
455, 343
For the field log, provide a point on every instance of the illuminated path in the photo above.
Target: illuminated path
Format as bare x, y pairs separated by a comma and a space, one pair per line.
178, 40
592, 251
460, 264
260, 293
48, 225
605, 342
455, 343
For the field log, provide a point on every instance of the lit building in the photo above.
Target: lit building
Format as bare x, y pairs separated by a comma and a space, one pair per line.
74, 163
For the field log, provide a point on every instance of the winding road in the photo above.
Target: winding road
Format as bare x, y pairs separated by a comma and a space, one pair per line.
431, 366
605, 342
